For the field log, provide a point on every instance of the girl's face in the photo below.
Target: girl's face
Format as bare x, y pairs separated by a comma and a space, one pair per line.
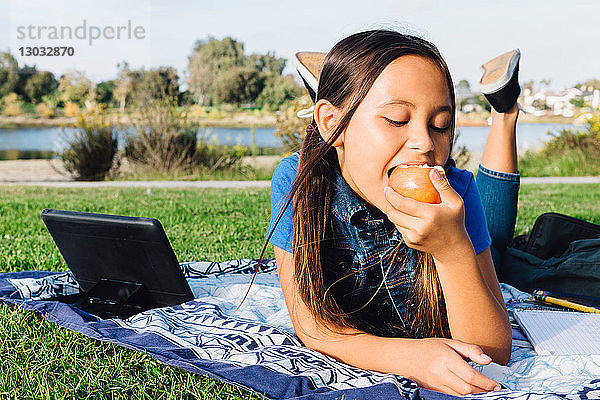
405, 117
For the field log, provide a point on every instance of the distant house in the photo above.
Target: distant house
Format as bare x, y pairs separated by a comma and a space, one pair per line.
559, 103
464, 99
462, 93
592, 98
471, 107
531, 102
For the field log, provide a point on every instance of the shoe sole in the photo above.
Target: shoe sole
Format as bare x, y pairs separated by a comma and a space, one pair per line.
504, 99
497, 72
309, 65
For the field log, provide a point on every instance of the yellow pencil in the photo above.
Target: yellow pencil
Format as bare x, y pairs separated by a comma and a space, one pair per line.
542, 296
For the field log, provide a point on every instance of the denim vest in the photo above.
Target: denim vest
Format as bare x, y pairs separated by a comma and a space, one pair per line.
358, 254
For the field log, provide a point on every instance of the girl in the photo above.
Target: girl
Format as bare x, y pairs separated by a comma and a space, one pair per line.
374, 279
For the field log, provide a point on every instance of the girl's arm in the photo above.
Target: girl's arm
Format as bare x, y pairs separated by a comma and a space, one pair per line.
476, 311
435, 364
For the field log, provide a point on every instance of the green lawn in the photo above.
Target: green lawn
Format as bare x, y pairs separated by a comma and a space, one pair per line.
41, 360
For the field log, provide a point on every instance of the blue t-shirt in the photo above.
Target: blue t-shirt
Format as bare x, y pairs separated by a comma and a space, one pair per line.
462, 181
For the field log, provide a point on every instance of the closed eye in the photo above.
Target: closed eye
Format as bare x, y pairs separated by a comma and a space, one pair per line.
395, 123
438, 129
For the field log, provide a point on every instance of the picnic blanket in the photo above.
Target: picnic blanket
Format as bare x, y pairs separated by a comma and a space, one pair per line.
257, 348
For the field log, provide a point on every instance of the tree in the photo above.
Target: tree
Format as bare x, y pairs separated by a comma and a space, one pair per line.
124, 84
104, 92
76, 87
267, 63
9, 74
219, 72
546, 83
463, 83
577, 101
162, 82
590, 84
26, 72
278, 91
529, 85
38, 85
238, 85
135, 86
209, 60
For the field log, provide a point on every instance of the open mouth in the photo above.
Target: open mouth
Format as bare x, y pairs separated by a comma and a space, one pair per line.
408, 164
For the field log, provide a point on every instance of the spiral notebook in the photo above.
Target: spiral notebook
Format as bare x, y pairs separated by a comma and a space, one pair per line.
561, 332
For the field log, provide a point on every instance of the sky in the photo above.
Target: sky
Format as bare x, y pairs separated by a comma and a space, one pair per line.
558, 39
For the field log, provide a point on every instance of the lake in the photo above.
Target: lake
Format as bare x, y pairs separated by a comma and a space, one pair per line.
529, 137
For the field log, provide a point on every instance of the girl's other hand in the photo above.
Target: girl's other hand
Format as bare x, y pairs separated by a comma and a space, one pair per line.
439, 364
436, 229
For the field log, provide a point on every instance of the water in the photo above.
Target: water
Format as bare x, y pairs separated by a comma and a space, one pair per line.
529, 137
50, 138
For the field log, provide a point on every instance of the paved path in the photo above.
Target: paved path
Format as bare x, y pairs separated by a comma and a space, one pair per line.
562, 179
247, 184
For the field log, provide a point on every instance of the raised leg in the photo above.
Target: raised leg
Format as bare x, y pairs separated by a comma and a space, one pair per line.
498, 181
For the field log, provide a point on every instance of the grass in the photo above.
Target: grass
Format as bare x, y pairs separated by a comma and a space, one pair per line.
569, 162
42, 360
580, 201
202, 224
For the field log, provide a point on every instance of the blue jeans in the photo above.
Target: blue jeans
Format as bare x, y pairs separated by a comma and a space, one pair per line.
499, 193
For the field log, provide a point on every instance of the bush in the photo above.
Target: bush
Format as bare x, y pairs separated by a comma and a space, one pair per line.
216, 158
43, 110
12, 105
163, 136
197, 111
71, 109
53, 100
567, 139
460, 154
92, 145
291, 129
567, 153
278, 91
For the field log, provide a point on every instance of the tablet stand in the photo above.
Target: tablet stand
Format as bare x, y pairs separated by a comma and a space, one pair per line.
110, 298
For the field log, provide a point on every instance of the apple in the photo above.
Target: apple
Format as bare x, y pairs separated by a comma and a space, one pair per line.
412, 180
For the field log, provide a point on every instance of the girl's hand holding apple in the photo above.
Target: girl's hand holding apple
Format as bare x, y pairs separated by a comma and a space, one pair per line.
437, 229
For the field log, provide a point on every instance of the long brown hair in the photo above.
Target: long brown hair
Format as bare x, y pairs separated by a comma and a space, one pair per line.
348, 72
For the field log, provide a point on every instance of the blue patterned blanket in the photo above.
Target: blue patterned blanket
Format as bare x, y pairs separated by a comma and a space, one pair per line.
257, 348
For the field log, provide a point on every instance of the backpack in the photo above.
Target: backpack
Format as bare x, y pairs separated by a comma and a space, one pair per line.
561, 254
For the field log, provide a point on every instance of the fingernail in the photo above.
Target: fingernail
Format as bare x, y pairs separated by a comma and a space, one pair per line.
497, 389
436, 174
485, 357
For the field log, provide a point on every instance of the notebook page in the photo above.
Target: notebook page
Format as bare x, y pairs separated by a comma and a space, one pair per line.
561, 332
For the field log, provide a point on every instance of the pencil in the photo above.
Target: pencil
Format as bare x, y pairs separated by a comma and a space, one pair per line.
542, 296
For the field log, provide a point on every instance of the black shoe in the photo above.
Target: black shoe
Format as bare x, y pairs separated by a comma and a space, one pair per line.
500, 81
308, 65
